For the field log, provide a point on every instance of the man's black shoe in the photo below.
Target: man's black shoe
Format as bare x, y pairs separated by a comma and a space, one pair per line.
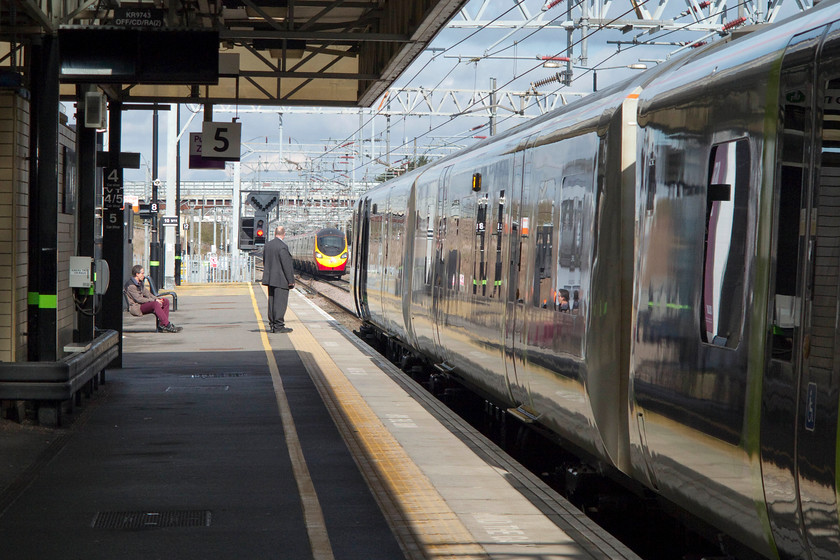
284, 330
170, 328
273, 329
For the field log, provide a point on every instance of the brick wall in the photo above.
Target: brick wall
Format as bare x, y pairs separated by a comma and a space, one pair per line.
67, 243
14, 221
14, 232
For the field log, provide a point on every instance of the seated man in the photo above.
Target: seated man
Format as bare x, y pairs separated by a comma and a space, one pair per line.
141, 301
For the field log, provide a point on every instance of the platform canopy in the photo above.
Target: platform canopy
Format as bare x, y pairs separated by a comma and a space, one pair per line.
269, 52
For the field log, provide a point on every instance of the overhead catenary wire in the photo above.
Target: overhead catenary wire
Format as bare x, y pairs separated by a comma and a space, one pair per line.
416, 74
586, 71
602, 62
475, 103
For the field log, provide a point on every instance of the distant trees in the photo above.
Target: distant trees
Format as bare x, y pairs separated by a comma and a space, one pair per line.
406, 166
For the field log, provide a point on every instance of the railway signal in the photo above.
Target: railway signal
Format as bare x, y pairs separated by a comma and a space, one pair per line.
246, 233
259, 232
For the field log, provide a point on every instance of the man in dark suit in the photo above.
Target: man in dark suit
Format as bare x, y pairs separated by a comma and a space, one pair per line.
279, 276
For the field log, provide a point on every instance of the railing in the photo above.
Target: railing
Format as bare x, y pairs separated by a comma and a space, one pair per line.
223, 267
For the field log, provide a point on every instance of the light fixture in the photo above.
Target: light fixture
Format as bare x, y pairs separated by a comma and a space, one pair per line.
553, 61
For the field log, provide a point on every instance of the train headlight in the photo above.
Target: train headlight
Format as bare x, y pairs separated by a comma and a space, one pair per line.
344, 255
319, 256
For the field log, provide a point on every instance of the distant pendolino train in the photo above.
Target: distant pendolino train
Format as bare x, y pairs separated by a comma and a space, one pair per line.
651, 273
320, 253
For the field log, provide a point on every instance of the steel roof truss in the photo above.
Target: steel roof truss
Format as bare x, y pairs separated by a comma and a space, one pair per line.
262, 89
308, 81
266, 17
34, 11
320, 14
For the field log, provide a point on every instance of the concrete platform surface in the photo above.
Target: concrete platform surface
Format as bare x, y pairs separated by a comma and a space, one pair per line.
226, 441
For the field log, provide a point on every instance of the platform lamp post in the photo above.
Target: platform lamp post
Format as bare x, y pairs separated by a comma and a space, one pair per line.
178, 251
154, 245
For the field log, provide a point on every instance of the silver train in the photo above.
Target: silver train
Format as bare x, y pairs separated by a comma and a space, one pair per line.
652, 273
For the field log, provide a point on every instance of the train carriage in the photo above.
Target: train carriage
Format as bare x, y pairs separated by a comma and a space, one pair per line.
651, 274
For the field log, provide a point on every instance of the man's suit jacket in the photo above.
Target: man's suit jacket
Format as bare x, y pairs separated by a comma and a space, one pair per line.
277, 265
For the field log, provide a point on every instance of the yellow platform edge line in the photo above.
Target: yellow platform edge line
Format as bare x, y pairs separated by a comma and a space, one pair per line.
313, 516
421, 519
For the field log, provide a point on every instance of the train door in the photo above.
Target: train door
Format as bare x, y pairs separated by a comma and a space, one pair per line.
360, 257
800, 391
520, 270
439, 285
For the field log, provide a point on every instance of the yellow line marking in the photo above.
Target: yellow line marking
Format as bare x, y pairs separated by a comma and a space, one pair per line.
422, 521
316, 528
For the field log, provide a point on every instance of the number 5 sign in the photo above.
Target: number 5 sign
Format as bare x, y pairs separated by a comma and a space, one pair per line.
220, 140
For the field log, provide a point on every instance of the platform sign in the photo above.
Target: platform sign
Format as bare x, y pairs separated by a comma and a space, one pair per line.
171, 221
112, 198
197, 161
221, 140
147, 210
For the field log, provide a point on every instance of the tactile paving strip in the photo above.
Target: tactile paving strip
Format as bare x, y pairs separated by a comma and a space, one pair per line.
421, 519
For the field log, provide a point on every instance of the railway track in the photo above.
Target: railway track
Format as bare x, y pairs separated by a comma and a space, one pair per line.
334, 294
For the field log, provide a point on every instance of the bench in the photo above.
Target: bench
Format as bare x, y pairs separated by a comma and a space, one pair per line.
173, 306
163, 293
53, 384
127, 314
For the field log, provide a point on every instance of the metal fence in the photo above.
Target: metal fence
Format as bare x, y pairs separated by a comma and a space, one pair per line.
212, 267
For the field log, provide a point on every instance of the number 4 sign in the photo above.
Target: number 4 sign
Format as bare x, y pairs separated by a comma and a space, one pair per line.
220, 140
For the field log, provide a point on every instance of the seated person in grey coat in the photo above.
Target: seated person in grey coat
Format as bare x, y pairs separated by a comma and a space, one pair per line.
141, 301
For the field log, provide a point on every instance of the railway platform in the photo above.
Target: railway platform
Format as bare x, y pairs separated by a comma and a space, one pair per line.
227, 441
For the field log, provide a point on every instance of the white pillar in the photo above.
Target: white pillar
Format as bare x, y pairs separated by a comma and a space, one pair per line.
234, 238
171, 202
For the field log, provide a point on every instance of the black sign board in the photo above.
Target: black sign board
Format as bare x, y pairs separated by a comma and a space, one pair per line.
147, 210
112, 198
142, 55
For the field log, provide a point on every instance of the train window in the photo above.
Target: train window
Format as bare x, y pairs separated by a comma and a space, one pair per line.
500, 224
544, 237
428, 265
459, 209
790, 227
570, 240
479, 250
726, 235
571, 222
650, 199
331, 244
